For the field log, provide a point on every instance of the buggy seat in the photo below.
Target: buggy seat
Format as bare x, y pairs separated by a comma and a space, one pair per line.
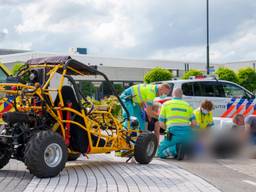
78, 137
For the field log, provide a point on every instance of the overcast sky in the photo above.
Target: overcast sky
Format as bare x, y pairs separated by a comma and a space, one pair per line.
159, 29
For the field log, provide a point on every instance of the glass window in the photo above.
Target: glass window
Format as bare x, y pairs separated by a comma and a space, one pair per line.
3, 76
211, 89
197, 89
203, 89
187, 89
171, 86
232, 90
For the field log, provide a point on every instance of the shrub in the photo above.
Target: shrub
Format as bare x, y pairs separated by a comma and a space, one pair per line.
192, 72
227, 74
87, 88
157, 74
16, 68
247, 78
119, 88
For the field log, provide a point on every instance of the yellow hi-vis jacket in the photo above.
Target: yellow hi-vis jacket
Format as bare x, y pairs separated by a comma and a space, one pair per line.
144, 93
203, 121
176, 112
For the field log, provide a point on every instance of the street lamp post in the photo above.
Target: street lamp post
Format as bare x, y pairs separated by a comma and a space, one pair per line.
207, 38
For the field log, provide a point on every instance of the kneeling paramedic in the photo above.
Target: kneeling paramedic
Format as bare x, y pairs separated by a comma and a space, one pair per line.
203, 115
204, 122
177, 117
138, 97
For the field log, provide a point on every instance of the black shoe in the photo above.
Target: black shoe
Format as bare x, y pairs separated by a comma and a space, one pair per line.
180, 151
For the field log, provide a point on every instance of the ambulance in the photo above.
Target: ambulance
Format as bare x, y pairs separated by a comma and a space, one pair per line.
228, 98
5, 103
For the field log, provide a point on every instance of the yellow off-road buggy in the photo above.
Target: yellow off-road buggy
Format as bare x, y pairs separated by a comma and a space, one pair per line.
54, 122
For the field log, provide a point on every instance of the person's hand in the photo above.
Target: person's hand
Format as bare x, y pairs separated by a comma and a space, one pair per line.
162, 125
193, 123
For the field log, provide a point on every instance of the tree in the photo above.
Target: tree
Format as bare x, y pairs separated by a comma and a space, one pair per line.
227, 74
105, 89
87, 88
16, 68
191, 72
119, 88
157, 74
247, 78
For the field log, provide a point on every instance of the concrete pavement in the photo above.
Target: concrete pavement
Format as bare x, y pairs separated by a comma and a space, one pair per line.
14, 177
109, 173
105, 173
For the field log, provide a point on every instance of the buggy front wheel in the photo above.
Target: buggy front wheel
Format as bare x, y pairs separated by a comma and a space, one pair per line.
45, 154
145, 148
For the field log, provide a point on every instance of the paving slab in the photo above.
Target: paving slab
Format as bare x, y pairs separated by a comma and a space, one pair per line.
108, 173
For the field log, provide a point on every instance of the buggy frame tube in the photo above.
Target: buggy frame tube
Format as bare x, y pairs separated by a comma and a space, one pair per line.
106, 78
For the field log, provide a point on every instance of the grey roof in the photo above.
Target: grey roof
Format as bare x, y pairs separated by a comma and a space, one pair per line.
11, 51
104, 61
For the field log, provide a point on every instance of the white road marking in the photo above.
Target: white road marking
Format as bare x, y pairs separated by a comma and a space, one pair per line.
249, 182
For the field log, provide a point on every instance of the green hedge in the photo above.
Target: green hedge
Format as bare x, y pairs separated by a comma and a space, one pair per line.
157, 74
227, 74
192, 72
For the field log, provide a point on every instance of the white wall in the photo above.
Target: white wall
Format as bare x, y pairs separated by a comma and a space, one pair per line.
124, 68
238, 65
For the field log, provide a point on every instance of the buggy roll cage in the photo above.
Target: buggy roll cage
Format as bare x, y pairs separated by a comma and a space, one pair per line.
78, 68
94, 70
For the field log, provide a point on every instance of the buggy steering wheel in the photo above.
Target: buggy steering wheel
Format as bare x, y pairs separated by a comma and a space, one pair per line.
85, 106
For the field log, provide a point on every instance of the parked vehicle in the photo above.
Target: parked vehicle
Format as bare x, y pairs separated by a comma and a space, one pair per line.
222, 93
5, 105
54, 122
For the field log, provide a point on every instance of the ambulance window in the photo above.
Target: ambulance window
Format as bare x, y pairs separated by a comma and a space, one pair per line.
232, 90
187, 89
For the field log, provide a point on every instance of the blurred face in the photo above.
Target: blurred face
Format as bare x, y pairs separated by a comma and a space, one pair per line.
239, 121
204, 111
163, 91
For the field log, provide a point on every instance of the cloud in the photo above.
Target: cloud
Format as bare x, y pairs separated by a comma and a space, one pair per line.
93, 18
3, 33
12, 2
238, 46
144, 28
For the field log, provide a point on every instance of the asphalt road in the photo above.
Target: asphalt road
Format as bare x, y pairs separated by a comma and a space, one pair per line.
227, 175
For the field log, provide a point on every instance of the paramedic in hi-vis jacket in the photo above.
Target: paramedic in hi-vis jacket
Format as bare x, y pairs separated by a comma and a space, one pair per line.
177, 117
203, 114
139, 97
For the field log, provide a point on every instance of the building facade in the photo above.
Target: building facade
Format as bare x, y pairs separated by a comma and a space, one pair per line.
123, 72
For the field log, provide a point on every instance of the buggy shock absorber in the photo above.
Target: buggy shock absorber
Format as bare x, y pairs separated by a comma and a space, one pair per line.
67, 130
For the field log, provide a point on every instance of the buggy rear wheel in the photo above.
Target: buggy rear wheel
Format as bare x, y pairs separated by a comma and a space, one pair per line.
145, 147
45, 154
5, 156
